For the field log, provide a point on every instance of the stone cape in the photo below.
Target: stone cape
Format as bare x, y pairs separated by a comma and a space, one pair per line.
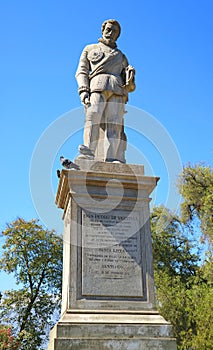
108, 297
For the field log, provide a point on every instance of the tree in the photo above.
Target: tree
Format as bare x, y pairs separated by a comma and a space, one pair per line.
174, 266
34, 255
183, 281
172, 248
7, 340
200, 307
196, 187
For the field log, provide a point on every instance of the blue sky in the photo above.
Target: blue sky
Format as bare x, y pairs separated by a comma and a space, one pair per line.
168, 42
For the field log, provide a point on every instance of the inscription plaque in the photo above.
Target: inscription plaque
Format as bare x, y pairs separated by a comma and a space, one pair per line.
111, 254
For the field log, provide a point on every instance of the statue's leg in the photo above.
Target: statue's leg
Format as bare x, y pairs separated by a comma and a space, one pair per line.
122, 146
93, 118
114, 112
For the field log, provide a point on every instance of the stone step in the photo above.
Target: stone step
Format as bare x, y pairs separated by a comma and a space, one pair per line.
121, 331
118, 344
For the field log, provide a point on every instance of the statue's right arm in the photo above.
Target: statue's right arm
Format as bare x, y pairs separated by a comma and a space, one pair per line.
82, 74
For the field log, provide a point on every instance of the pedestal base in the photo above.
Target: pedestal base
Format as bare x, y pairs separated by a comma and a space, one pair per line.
95, 331
108, 300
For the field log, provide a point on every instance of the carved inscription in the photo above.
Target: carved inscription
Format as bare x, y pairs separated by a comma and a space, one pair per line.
116, 168
103, 230
111, 254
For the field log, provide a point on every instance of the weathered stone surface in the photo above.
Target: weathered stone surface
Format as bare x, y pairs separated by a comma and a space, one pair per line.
110, 168
107, 239
108, 298
111, 256
104, 79
115, 344
116, 336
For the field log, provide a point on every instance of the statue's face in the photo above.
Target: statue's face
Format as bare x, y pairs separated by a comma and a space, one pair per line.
110, 32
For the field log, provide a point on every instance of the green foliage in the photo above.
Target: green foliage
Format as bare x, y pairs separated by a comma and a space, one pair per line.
34, 255
200, 306
183, 284
7, 340
172, 249
196, 187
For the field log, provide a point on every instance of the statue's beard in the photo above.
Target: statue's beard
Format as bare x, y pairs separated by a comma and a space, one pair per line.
109, 42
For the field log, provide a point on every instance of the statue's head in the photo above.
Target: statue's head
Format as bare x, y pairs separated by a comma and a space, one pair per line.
111, 29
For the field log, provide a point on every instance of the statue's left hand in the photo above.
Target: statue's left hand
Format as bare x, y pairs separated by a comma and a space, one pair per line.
130, 72
130, 78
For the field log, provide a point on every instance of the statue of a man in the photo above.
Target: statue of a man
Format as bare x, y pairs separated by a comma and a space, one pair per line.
104, 79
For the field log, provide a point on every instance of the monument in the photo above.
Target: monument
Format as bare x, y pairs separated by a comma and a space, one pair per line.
104, 78
108, 297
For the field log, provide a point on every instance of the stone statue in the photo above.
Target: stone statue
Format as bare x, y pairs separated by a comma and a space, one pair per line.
104, 79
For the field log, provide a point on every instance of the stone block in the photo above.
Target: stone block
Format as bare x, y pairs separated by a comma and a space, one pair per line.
108, 300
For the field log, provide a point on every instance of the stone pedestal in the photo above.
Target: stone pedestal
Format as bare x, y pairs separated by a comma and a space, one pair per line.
108, 297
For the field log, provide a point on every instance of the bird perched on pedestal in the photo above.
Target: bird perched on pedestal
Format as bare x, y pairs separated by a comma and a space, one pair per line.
68, 164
